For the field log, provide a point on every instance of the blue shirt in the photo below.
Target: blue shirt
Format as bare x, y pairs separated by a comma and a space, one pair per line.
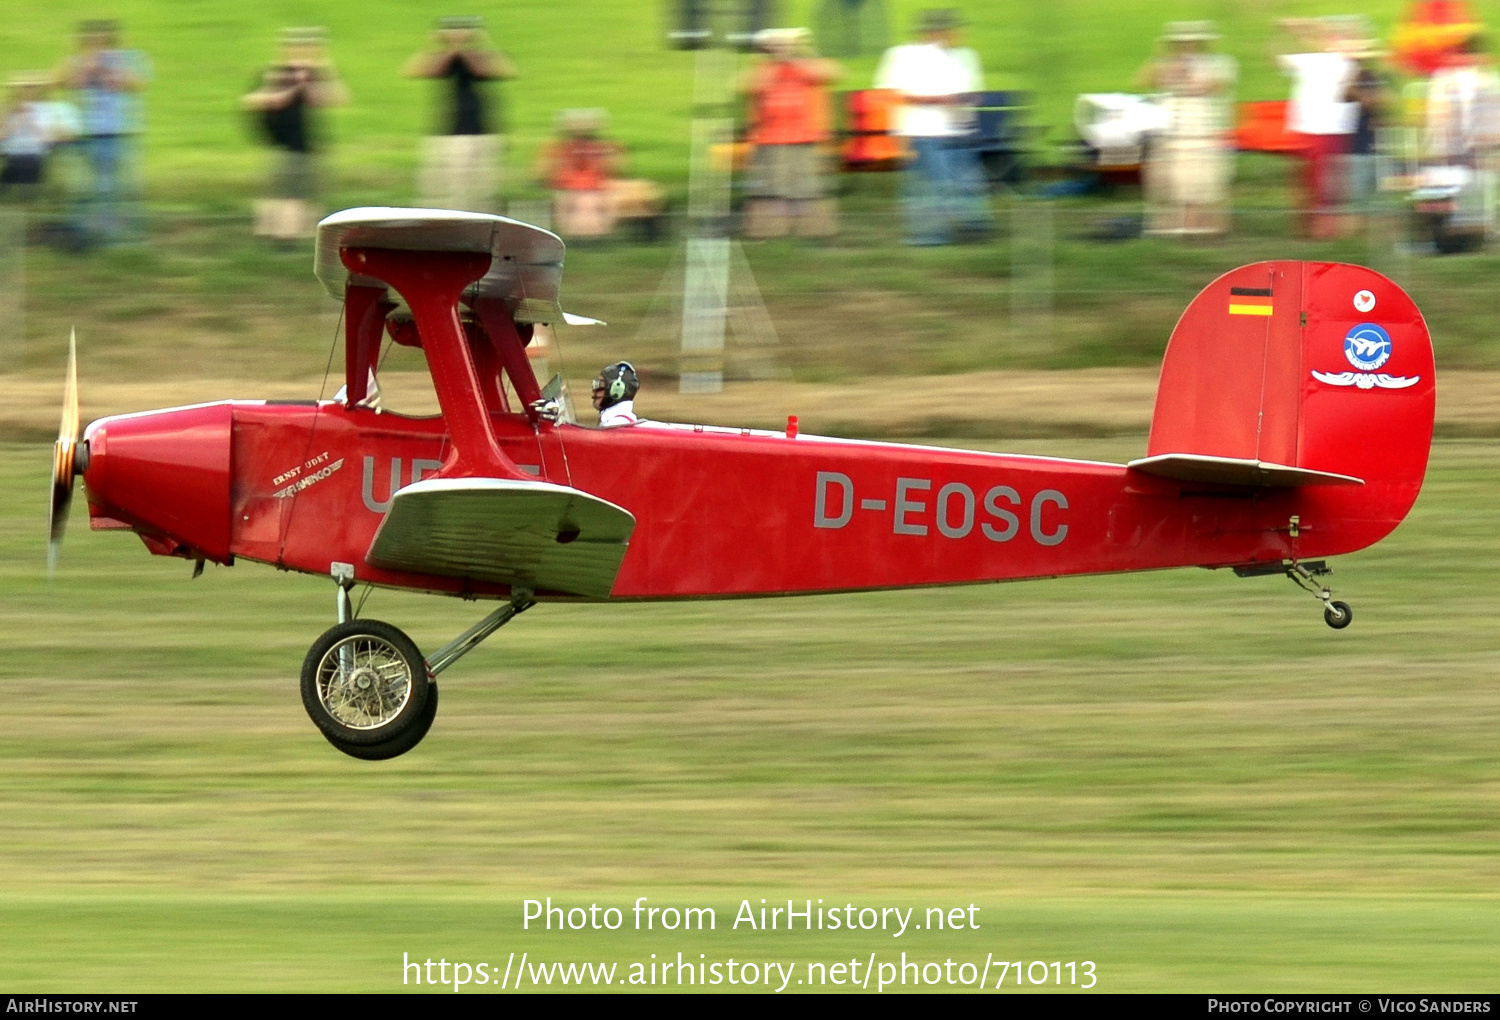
108, 110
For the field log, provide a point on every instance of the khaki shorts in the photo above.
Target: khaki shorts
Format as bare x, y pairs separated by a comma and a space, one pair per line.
460, 172
789, 172
1191, 172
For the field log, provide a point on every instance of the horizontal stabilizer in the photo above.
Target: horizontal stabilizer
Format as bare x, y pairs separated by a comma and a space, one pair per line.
1193, 467
526, 534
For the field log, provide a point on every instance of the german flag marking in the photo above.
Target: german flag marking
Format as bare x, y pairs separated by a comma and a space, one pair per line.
1249, 300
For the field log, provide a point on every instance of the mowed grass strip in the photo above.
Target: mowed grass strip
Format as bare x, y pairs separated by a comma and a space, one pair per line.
1183, 772
334, 942
202, 299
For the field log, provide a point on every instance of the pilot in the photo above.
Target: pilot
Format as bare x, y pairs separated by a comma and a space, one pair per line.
614, 395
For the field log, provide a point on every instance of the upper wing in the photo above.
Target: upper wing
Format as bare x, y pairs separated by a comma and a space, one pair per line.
526, 266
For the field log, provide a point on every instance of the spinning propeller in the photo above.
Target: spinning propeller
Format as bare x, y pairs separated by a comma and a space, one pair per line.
67, 460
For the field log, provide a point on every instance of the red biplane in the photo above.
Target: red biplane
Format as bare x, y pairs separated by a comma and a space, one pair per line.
1293, 422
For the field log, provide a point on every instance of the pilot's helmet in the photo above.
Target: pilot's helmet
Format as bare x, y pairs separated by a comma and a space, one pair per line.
615, 383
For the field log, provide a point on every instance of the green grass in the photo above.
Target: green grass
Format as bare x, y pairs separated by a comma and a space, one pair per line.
346, 943
1182, 776
605, 53
203, 298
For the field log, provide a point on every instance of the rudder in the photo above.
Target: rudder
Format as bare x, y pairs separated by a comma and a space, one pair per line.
1294, 374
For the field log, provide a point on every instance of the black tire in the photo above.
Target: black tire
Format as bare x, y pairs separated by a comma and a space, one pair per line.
1338, 615
398, 745
385, 689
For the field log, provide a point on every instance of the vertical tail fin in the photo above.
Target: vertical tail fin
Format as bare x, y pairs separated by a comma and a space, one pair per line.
1296, 374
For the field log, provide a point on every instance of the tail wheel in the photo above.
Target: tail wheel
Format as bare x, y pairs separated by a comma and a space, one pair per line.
364, 683
1338, 615
398, 745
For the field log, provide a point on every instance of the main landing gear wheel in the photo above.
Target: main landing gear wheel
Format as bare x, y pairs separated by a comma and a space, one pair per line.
1338, 615
365, 684
398, 745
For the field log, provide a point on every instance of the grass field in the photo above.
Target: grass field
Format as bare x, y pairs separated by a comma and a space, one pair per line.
607, 53
201, 297
1183, 776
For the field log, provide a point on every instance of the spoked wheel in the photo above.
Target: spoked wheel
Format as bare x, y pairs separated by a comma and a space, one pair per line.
364, 683
397, 745
1338, 615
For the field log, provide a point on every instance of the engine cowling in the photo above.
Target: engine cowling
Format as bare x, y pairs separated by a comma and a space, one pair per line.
166, 474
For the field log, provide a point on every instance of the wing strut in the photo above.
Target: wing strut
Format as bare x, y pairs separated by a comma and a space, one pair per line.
510, 340
432, 283
365, 309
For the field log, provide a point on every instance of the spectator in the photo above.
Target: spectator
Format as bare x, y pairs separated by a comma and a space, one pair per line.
64, 126
789, 120
944, 185
1372, 95
1188, 164
25, 137
461, 164
639, 203
1461, 100
1453, 199
108, 79
303, 80
1320, 116
579, 166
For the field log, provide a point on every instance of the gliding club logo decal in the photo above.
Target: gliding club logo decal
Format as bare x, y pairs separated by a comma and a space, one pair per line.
1367, 347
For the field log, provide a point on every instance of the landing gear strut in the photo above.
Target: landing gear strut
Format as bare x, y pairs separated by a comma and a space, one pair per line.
1337, 615
1305, 575
365, 684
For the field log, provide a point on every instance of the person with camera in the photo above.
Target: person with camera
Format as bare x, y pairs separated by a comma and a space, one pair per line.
461, 161
290, 92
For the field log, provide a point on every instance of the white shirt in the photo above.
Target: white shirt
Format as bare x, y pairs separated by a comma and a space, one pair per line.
1319, 84
24, 132
615, 415
1460, 103
62, 120
927, 69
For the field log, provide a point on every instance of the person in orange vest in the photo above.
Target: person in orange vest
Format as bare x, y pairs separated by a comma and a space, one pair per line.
789, 128
580, 166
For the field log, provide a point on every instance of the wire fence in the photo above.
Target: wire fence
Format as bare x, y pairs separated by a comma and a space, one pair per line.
1051, 270
12, 285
